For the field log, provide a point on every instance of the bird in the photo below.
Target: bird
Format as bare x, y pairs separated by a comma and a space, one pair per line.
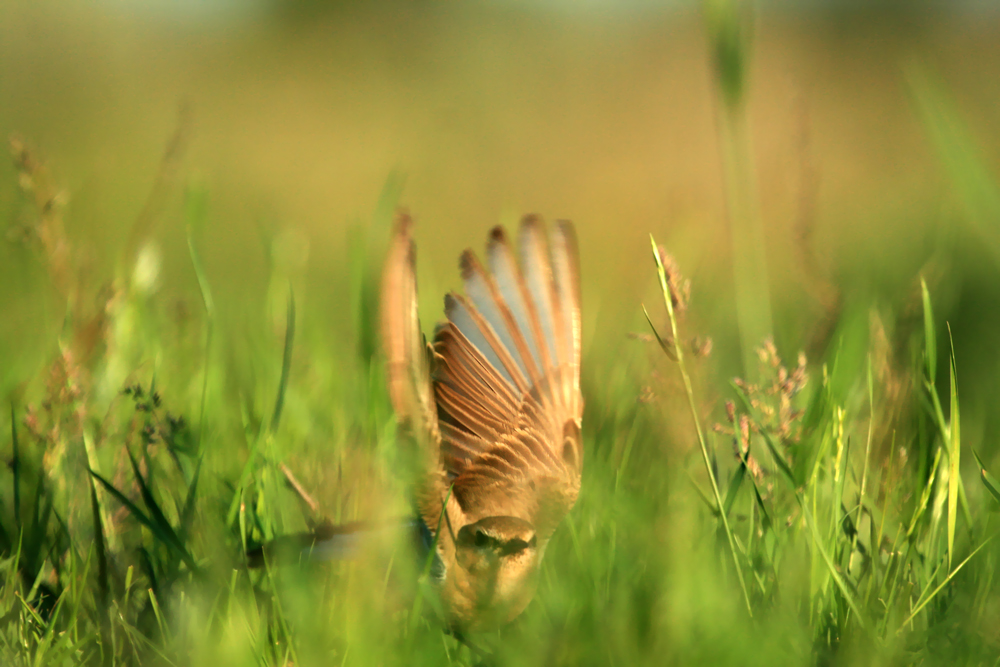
494, 411
491, 411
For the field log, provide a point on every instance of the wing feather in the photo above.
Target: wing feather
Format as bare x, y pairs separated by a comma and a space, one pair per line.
407, 364
538, 278
566, 270
543, 306
483, 291
513, 291
408, 367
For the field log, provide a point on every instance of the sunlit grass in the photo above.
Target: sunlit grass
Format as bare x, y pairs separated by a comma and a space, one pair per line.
843, 552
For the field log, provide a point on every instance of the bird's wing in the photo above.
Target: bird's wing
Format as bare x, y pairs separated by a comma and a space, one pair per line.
408, 365
507, 379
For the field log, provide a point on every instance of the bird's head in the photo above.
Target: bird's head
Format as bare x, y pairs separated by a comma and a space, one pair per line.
496, 563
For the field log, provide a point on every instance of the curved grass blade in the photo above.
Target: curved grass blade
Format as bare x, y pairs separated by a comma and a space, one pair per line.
951, 575
954, 455
989, 481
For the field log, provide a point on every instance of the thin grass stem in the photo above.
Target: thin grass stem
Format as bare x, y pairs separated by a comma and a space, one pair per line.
679, 352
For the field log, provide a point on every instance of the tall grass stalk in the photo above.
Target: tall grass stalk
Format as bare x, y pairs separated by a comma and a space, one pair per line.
678, 352
730, 24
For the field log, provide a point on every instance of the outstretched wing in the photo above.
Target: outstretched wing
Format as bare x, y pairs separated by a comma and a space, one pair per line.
507, 379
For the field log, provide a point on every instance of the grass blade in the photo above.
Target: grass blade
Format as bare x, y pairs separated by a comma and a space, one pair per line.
15, 465
286, 360
679, 352
196, 207
989, 481
944, 583
734, 487
930, 341
954, 455
139, 515
234, 505
166, 532
102, 557
662, 343
925, 496
834, 572
868, 450
188, 512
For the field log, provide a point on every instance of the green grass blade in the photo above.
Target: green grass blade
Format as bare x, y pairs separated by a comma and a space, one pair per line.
765, 515
102, 557
926, 494
954, 456
868, 450
989, 481
187, 514
831, 566
663, 345
196, 216
930, 340
129, 505
140, 516
41, 509
15, 465
286, 360
701, 493
734, 487
951, 575
679, 352
236, 502
160, 621
166, 532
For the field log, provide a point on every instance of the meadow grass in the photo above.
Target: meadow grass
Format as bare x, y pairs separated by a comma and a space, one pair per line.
813, 512
144, 461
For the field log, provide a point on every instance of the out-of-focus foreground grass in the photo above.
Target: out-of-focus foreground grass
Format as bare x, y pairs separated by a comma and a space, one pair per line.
197, 315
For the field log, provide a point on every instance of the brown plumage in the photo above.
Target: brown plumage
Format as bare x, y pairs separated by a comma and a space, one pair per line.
494, 408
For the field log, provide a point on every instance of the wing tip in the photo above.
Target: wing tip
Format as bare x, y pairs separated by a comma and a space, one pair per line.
567, 229
467, 263
402, 221
531, 222
401, 243
497, 235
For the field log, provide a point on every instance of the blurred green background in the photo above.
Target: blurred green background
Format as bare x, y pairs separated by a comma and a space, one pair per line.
297, 113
